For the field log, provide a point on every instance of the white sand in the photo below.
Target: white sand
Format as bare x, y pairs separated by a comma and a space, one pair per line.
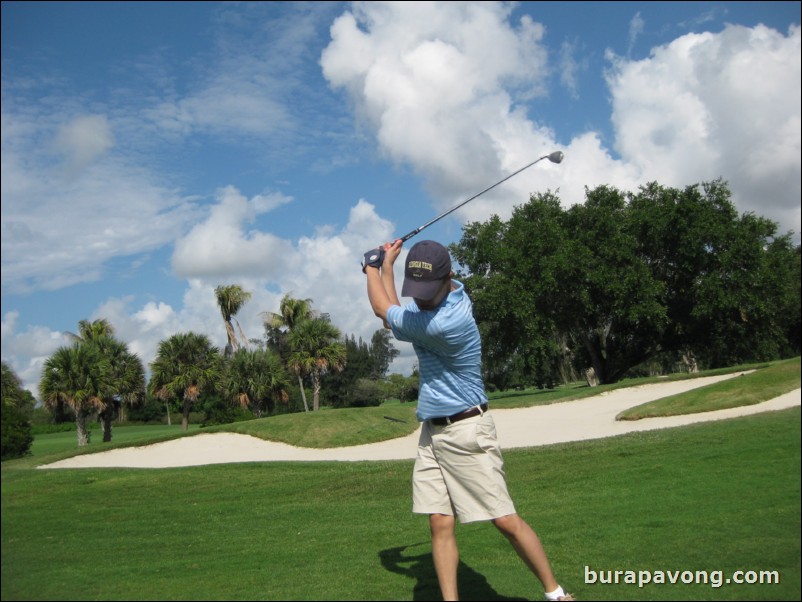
590, 418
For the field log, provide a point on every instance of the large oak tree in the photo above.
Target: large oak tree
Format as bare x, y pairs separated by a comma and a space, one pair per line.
625, 278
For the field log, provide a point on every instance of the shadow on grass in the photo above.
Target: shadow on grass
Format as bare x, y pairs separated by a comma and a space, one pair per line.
420, 567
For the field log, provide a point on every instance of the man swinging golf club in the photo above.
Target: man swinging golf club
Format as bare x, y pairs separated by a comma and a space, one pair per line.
459, 470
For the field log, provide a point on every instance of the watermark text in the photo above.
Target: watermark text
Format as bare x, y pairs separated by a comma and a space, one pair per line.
714, 578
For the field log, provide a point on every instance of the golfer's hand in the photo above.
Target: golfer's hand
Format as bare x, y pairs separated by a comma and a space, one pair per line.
391, 252
373, 258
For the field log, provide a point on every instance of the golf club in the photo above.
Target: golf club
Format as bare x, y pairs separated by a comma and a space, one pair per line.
376, 256
555, 157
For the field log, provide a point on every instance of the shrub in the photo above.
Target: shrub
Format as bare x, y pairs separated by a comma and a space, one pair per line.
366, 393
15, 429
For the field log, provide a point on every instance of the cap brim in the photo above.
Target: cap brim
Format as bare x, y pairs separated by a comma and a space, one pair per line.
420, 289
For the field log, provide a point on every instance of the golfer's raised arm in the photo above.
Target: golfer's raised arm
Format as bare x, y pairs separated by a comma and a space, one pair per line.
391, 253
381, 282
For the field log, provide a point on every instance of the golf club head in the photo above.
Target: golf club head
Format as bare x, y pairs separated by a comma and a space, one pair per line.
556, 157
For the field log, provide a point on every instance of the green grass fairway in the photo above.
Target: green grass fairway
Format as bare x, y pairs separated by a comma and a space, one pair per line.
722, 496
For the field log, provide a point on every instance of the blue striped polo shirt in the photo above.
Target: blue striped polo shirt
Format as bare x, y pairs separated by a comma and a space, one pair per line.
449, 351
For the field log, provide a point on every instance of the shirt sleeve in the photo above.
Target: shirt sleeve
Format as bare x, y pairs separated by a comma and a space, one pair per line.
421, 328
395, 318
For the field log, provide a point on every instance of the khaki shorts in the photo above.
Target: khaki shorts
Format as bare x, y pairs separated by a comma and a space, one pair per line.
459, 471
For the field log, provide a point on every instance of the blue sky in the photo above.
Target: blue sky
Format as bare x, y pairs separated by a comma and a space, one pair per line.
152, 151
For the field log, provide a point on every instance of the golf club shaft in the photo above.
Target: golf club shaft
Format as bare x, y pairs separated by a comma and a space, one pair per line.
554, 157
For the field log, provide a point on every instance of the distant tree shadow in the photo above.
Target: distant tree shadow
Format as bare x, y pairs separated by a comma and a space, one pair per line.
420, 567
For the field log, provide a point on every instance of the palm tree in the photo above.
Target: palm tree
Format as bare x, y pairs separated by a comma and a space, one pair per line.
256, 378
314, 350
129, 381
231, 299
128, 371
79, 376
186, 365
278, 325
90, 330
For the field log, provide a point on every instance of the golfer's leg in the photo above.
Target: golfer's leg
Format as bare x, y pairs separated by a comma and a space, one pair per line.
445, 554
527, 545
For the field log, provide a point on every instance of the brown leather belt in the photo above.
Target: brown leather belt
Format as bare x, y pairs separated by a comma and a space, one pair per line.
444, 420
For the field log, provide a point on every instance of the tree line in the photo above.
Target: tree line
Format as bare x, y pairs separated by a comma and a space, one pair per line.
97, 377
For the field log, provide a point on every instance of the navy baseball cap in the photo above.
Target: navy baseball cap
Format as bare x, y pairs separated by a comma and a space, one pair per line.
428, 264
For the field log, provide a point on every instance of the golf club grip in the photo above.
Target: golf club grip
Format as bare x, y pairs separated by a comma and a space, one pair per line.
406, 237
